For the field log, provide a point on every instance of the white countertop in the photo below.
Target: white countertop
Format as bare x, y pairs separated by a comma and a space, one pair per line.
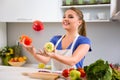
15, 73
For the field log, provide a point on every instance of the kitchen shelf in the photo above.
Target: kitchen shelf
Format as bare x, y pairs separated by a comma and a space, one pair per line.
93, 10
97, 20
87, 6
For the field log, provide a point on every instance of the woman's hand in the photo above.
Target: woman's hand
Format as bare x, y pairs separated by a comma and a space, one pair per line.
39, 55
29, 48
50, 54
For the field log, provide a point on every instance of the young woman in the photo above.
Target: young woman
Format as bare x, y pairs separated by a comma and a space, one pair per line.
70, 48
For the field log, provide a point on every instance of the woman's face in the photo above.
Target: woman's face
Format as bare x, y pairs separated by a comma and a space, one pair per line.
71, 20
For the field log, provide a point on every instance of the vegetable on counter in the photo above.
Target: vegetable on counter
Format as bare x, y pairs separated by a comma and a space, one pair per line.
65, 72
102, 70
116, 71
99, 70
116, 74
74, 74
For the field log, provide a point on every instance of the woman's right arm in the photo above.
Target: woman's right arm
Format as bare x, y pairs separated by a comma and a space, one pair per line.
38, 55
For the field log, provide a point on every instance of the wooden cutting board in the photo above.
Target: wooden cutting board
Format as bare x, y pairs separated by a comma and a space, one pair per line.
42, 75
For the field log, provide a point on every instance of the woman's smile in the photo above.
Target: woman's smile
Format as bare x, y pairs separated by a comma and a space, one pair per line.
66, 23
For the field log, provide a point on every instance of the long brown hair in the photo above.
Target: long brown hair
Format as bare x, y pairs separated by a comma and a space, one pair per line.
81, 28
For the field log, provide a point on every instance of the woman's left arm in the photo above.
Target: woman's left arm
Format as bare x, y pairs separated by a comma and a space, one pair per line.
78, 54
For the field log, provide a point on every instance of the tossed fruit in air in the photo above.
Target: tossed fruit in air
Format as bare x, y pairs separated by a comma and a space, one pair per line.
74, 75
38, 25
65, 72
49, 47
26, 40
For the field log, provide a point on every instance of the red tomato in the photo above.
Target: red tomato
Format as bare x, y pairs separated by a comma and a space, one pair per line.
81, 70
38, 25
65, 72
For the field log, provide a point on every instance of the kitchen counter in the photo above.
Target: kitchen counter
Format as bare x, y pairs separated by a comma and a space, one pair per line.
15, 73
26, 72
30, 65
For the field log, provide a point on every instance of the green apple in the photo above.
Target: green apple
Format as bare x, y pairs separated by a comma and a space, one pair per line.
49, 46
75, 75
41, 65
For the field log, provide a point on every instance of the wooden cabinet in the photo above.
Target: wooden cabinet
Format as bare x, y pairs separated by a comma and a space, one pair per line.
97, 12
29, 10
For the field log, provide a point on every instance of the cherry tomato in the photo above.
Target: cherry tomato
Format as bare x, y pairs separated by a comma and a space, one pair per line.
38, 25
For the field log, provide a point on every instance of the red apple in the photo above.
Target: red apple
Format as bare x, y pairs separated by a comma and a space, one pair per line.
65, 72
